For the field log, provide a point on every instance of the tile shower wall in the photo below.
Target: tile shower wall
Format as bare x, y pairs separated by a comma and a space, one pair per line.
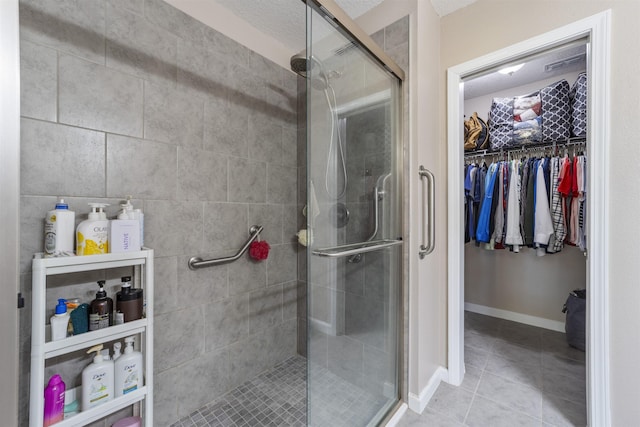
361, 346
135, 97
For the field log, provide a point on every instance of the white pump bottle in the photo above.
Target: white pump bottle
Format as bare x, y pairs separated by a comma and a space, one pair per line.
128, 369
97, 380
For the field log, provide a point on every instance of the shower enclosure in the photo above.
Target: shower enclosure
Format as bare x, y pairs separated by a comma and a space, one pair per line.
354, 223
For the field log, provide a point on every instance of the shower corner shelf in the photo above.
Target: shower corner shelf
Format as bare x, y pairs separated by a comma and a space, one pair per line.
43, 349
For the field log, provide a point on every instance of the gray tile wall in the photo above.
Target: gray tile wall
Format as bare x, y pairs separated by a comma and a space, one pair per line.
134, 97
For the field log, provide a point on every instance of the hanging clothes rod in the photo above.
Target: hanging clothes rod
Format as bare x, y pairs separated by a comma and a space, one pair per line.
197, 262
577, 140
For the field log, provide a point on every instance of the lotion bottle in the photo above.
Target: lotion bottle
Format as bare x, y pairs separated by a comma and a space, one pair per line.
97, 380
128, 369
59, 225
92, 235
101, 310
59, 321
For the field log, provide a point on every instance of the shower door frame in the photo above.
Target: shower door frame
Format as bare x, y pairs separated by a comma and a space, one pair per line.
330, 9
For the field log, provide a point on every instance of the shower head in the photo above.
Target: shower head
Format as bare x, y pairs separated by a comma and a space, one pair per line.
303, 66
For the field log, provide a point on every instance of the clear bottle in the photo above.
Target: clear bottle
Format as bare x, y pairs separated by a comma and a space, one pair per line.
128, 369
59, 226
92, 234
60, 321
97, 380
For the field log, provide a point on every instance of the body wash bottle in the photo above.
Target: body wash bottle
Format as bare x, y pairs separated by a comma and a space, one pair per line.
54, 401
97, 380
92, 235
59, 226
128, 369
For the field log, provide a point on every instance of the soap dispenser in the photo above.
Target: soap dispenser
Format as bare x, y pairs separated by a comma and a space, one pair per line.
128, 369
125, 230
92, 234
101, 310
97, 380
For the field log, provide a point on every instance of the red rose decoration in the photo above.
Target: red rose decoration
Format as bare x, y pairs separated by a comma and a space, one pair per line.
259, 250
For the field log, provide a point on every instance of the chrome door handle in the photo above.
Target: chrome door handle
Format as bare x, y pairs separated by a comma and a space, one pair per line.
355, 248
428, 213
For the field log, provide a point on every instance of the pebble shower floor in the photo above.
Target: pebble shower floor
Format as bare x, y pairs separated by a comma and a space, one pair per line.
278, 397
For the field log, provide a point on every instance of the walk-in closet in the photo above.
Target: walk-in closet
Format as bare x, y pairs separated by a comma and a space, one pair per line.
526, 199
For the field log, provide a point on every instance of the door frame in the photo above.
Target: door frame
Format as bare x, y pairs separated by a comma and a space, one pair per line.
10, 196
596, 29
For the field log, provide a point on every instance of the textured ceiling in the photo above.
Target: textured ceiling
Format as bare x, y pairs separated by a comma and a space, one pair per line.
285, 20
533, 70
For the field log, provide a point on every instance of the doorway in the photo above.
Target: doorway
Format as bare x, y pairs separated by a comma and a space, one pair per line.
596, 30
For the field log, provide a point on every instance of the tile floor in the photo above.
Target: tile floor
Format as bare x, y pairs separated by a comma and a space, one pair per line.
278, 397
516, 375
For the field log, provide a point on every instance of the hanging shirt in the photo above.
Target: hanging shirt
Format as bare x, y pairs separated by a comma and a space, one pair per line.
543, 228
482, 230
513, 236
557, 216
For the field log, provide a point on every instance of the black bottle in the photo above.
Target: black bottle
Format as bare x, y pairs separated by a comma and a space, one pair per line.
101, 310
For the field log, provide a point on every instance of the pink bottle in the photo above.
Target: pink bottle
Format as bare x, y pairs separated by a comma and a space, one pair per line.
54, 401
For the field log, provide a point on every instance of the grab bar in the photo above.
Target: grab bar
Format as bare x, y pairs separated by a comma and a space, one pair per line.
428, 243
355, 248
197, 262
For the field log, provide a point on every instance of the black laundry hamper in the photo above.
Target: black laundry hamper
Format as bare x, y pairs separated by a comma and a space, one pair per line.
575, 324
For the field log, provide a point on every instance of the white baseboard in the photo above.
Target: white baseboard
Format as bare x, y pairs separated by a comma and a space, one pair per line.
397, 416
540, 322
418, 403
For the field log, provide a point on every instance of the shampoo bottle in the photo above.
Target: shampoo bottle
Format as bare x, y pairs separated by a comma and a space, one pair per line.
92, 235
54, 401
59, 226
97, 380
128, 369
60, 321
101, 310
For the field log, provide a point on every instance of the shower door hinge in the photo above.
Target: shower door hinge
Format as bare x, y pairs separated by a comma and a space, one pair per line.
20, 300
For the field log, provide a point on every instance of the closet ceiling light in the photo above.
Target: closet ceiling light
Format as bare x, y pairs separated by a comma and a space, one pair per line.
511, 70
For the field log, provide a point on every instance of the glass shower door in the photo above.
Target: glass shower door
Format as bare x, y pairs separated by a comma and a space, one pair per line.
354, 216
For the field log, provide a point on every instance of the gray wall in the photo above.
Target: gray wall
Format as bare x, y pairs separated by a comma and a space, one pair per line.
135, 97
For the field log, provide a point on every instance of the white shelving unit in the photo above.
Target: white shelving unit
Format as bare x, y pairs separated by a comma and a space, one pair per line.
41, 349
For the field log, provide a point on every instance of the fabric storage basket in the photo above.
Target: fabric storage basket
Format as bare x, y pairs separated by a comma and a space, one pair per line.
578, 98
527, 121
556, 111
501, 123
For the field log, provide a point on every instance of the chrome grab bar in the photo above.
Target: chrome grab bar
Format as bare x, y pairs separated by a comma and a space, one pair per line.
428, 242
355, 248
197, 262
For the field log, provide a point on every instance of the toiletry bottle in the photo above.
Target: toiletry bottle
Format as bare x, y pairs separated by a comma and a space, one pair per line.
59, 321
54, 401
140, 215
128, 369
97, 380
116, 350
59, 226
125, 230
71, 405
92, 235
129, 300
101, 310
